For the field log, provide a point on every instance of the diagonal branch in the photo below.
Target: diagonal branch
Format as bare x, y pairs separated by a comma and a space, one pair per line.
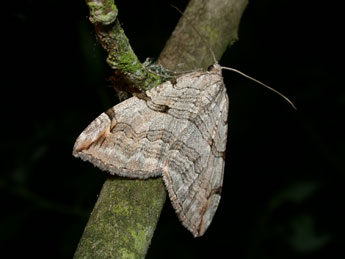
124, 218
217, 21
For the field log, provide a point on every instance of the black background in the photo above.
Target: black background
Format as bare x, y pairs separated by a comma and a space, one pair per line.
283, 193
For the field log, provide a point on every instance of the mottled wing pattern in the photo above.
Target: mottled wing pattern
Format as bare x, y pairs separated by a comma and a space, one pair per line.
179, 129
194, 169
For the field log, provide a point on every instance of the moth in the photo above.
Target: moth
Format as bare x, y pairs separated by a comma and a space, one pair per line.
177, 130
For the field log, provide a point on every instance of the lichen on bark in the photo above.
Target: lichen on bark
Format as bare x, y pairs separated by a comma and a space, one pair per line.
103, 14
119, 226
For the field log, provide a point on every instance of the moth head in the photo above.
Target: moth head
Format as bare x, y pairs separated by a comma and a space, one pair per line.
215, 68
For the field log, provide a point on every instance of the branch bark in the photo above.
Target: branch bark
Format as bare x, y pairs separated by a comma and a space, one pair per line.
124, 218
103, 14
217, 21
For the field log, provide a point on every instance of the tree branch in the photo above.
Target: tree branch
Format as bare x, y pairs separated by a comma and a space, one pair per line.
217, 21
123, 220
127, 211
103, 14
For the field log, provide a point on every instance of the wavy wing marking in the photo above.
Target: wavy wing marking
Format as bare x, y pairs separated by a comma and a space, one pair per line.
178, 130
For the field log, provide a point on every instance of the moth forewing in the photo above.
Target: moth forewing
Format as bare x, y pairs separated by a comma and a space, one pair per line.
179, 132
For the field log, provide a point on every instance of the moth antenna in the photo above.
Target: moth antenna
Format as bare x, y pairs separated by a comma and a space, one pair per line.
201, 37
261, 83
232, 69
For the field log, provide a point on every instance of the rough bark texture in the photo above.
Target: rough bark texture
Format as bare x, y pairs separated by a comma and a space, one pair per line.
123, 220
127, 211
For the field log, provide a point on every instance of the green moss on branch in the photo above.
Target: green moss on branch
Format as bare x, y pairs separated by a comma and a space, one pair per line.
123, 220
103, 13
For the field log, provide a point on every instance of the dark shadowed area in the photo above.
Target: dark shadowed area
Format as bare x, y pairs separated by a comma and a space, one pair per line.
283, 194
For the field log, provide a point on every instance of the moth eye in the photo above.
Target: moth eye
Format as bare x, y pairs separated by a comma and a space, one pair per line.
210, 68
